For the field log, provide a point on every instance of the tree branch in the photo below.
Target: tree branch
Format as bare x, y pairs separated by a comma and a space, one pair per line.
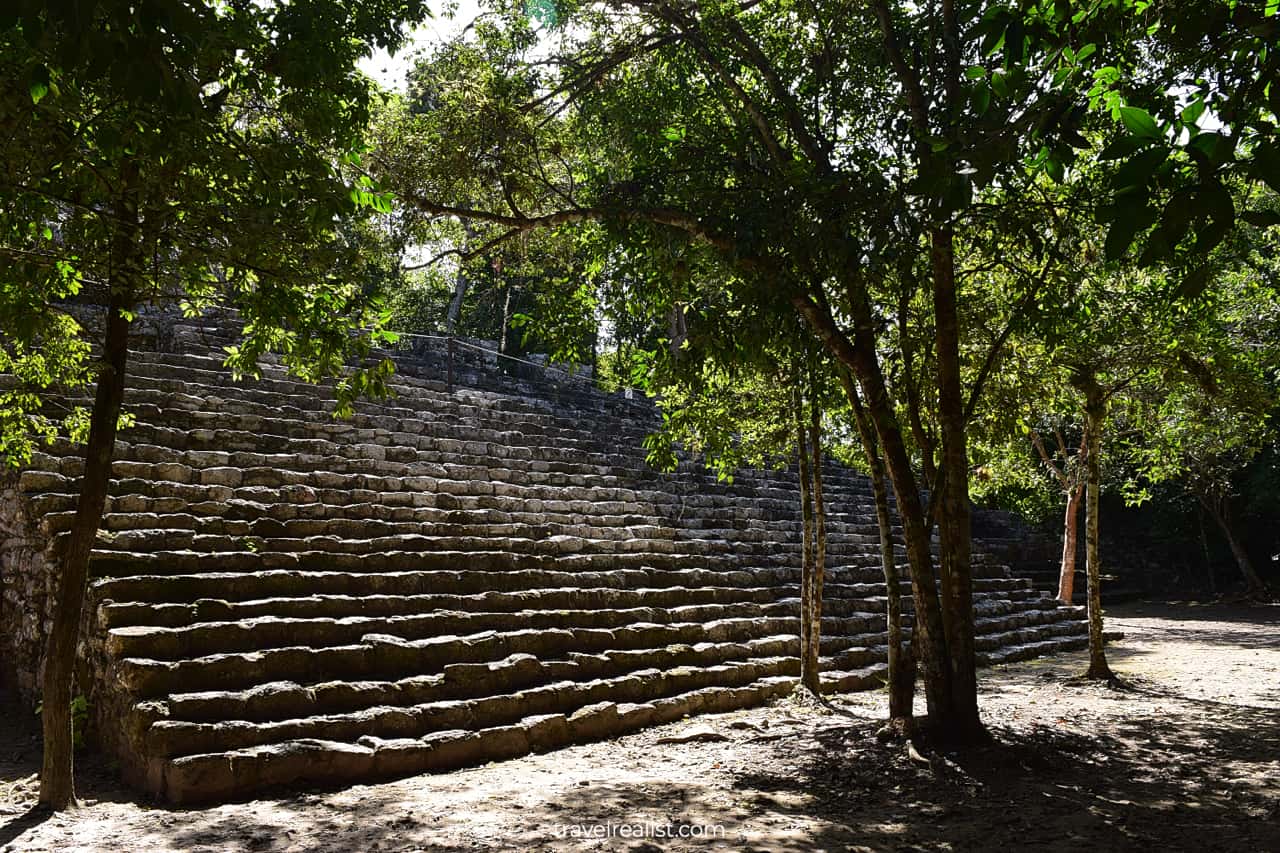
672, 218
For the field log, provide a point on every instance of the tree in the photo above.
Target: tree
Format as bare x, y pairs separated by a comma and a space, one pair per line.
1203, 431
182, 151
755, 395
705, 121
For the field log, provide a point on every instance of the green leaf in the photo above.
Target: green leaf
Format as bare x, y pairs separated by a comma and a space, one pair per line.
992, 42
1177, 216
1191, 112
1013, 42
1216, 148
39, 83
1119, 237
1139, 123
1129, 216
1120, 147
1219, 217
975, 72
1138, 171
1194, 283
1075, 140
1157, 249
981, 98
1267, 164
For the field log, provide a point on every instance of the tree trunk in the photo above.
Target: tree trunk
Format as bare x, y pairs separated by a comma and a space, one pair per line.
962, 722
503, 344
819, 545
460, 282
906, 346
808, 656
57, 786
1221, 513
1070, 536
1095, 412
954, 714
929, 641
902, 669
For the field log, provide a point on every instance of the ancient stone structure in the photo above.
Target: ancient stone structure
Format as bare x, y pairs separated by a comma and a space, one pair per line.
478, 567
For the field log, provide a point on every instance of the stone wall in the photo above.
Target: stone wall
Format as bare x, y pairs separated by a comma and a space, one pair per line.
26, 595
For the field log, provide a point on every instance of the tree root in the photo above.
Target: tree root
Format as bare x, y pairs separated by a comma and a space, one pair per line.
896, 729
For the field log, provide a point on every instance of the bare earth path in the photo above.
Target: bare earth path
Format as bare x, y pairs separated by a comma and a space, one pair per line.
1186, 758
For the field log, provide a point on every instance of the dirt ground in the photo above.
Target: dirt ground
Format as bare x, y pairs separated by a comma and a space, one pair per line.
1185, 757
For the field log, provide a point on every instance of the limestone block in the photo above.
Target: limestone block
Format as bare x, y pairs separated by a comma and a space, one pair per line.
594, 722
231, 477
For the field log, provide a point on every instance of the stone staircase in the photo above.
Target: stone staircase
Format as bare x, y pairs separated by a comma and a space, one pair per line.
476, 568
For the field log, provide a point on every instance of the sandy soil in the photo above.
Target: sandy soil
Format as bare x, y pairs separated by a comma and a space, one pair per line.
1185, 757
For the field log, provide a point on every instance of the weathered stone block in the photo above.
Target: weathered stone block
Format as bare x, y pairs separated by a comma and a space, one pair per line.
231, 477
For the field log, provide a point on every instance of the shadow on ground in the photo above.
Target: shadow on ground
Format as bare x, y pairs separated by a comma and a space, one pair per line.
1071, 766
1167, 780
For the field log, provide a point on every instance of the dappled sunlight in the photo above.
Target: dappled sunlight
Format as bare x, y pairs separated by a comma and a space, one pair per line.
1072, 765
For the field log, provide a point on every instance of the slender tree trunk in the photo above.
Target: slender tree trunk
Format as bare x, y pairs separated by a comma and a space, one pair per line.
460, 282
1222, 515
906, 345
57, 785
503, 344
808, 658
819, 545
1070, 537
902, 669
1095, 412
962, 722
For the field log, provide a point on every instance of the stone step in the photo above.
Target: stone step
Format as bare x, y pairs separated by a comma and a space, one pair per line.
211, 533
410, 393
189, 452
128, 563
418, 709
379, 656
624, 414
268, 583
337, 606
123, 564
233, 511
268, 632
1034, 649
345, 539
261, 485
242, 517
170, 737
869, 596
288, 700
992, 645
221, 775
